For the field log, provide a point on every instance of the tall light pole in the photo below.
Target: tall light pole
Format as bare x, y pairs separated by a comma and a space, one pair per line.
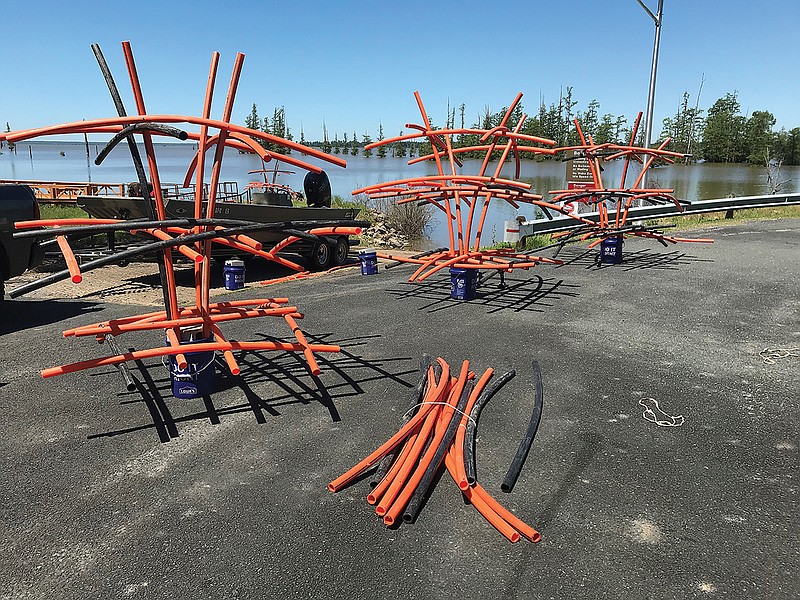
651, 95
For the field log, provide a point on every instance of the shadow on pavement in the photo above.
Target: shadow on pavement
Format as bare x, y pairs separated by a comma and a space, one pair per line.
286, 375
19, 315
631, 261
515, 294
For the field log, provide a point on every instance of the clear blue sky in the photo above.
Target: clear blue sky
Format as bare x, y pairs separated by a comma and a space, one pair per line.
356, 63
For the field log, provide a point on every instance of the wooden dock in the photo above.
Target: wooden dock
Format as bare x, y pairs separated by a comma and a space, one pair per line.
67, 192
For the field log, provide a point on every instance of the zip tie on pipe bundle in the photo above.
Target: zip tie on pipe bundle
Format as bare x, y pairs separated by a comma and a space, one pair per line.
461, 412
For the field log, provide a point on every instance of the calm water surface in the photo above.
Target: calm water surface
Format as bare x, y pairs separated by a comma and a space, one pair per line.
42, 160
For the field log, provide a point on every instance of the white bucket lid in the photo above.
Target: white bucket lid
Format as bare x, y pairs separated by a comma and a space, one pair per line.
367, 251
234, 263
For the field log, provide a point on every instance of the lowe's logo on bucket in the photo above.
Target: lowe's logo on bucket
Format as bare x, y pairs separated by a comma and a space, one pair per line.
188, 389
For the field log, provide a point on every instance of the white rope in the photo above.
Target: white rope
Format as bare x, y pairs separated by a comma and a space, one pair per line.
660, 418
770, 355
461, 412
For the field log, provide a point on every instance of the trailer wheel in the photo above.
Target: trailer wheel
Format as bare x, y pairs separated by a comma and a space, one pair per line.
341, 250
320, 257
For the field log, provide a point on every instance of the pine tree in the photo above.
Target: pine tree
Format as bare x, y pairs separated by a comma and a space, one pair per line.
326, 145
381, 153
367, 140
252, 121
399, 148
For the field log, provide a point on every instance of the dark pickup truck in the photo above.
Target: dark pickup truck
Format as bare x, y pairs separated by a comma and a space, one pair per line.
17, 203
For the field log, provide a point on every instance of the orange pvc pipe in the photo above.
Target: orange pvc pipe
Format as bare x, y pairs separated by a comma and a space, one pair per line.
526, 530
183, 249
35, 224
205, 279
379, 490
220, 307
88, 125
167, 351
495, 520
396, 439
202, 145
172, 293
69, 257
172, 338
230, 360
301, 338
186, 321
395, 487
446, 414
460, 474
634, 130
447, 263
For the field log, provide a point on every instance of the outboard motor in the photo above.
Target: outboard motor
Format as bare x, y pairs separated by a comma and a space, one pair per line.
318, 189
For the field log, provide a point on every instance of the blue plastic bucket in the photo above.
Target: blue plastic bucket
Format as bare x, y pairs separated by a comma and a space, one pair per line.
369, 261
611, 250
234, 274
199, 377
463, 283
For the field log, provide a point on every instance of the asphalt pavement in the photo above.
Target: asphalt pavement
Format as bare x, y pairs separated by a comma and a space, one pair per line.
106, 493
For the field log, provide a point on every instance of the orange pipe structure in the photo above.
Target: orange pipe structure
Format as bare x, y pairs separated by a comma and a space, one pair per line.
458, 194
89, 126
174, 319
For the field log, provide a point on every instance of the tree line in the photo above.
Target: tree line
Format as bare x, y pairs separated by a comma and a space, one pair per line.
722, 134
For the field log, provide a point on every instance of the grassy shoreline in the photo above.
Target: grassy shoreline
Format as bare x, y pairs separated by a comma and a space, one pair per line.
719, 218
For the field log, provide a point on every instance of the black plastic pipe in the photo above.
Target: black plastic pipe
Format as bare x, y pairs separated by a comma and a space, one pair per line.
419, 393
527, 440
469, 438
144, 126
413, 506
129, 253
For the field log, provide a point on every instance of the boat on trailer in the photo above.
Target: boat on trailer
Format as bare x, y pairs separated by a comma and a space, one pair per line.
259, 203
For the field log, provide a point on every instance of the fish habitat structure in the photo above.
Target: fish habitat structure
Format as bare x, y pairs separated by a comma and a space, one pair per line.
197, 328
465, 198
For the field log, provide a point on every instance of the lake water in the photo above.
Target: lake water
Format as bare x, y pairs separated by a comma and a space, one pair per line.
42, 160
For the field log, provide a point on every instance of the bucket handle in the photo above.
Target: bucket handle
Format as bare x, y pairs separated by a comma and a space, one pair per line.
186, 376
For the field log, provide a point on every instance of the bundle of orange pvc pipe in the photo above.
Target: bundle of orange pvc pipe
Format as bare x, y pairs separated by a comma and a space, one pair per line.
433, 436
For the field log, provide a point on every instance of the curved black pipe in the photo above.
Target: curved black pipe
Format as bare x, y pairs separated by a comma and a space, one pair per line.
469, 438
143, 126
130, 253
416, 398
412, 508
527, 440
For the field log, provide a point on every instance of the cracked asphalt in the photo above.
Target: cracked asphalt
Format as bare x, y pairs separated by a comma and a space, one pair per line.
106, 493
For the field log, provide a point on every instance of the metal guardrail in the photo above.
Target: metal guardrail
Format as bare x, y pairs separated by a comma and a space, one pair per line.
542, 226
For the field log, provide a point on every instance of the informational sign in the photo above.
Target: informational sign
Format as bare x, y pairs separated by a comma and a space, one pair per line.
578, 169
